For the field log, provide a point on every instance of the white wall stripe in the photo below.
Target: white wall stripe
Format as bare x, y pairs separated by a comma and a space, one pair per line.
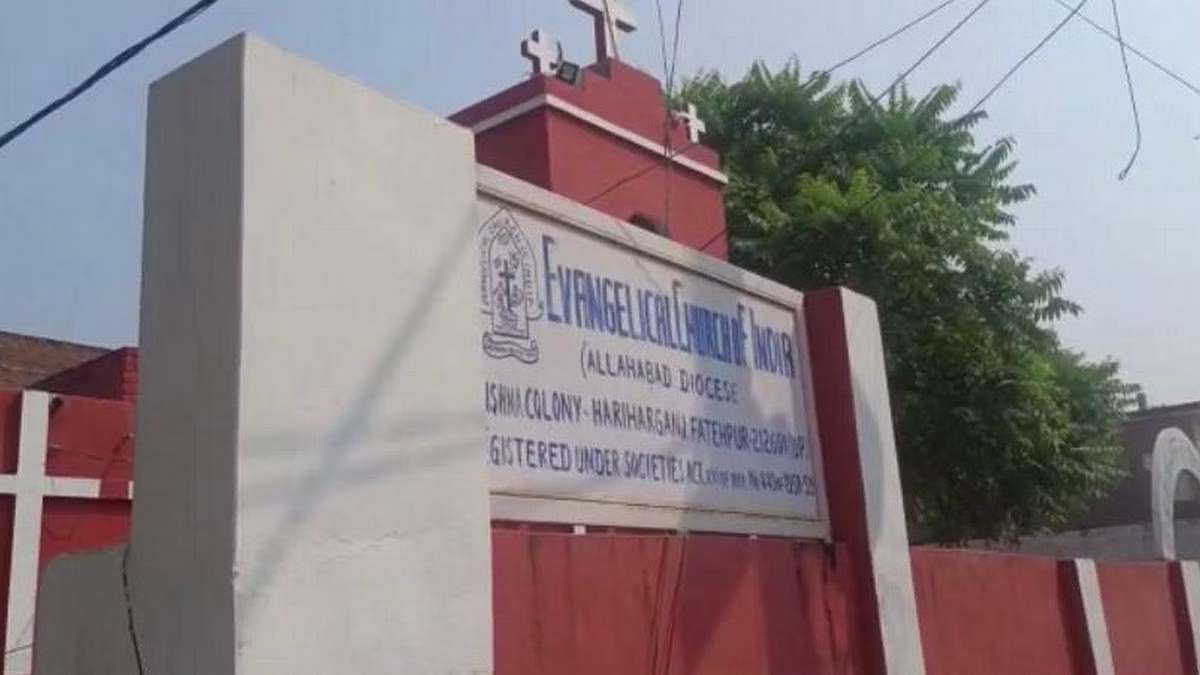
551, 101
1093, 613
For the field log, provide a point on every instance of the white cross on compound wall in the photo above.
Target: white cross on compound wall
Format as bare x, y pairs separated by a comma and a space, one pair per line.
610, 17
29, 486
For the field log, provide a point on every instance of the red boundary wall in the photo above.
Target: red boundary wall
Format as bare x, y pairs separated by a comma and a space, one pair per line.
988, 613
607, 603
996, 614
1148, 625
620, 601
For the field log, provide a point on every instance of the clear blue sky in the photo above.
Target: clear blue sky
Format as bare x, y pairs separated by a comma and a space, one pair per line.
70, 191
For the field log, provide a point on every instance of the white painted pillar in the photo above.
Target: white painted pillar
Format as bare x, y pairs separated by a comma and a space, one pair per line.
313, 499
312, 493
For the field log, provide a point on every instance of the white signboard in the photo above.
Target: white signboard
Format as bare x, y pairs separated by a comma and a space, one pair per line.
621, 379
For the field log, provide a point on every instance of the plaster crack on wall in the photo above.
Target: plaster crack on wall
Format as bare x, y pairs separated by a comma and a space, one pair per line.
133, 636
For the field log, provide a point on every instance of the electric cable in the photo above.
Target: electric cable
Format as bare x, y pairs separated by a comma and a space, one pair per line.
106, 69
1158, 65
1028, 55
887, 38
1137, 118
876, 98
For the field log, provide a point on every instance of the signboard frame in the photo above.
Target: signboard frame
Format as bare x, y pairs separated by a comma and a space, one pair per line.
519, 197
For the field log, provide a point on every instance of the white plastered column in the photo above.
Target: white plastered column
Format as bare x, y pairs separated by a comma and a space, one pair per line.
312, 493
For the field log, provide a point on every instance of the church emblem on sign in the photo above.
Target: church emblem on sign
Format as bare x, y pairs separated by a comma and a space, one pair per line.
509, 289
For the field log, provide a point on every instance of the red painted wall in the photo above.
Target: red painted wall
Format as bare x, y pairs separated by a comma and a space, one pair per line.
1147, 619
74, 525
10, 429
89, 438
997, 614
587, 166
519, 148
92, 438
664, 604
573, 158
111, 376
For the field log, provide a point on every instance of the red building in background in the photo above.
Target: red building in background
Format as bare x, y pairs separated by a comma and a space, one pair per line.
607, 141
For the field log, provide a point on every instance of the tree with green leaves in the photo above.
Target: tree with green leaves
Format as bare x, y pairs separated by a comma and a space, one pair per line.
1001, 430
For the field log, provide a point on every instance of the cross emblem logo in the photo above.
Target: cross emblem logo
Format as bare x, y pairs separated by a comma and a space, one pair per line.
510, 293
512, 297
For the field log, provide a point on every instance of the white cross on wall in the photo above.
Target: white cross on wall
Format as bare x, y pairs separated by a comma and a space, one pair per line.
691, 118
29, 486
544, 52
610, 17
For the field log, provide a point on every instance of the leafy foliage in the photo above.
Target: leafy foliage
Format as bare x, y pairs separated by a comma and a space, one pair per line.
1001, 430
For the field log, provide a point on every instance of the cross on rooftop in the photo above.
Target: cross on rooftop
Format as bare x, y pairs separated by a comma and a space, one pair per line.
610, 16
691, 118
544, 52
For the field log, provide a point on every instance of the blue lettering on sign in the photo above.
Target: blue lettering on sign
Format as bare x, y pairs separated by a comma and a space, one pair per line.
590, 301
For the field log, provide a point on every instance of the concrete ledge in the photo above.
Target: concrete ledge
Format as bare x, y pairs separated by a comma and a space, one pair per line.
83, 624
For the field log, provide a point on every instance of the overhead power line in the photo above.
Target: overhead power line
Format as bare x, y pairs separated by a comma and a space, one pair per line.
651, 166
1028, 55
1137, 118
669, 82
106, 69
930, 52
888, 38
1075, 11
1195, 89
662, 39
675, 46
876, 98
